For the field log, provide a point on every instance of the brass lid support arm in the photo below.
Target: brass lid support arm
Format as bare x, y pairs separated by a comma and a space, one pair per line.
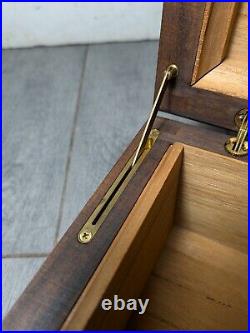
170, 73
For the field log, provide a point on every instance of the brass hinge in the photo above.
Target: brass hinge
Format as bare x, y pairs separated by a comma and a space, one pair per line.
147, 141
238, 146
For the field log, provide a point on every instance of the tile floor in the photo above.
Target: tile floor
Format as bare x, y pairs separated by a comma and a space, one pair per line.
68, 113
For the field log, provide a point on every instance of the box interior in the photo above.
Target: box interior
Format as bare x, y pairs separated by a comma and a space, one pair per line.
200, 280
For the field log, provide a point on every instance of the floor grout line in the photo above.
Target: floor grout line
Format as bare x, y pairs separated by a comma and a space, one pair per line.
72, 139
94, 43
25, 255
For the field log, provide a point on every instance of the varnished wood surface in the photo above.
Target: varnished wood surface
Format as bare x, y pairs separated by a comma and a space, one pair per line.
200, 281
181, 26
231, 76
218, 21
129, 260
48, 300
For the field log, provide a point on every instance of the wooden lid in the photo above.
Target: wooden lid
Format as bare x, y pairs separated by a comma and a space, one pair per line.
208, 42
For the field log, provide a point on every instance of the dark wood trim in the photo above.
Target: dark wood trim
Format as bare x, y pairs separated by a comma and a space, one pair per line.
49, 298
181, 26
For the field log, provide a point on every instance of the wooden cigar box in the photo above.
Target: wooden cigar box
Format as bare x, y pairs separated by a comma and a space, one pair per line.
170, 223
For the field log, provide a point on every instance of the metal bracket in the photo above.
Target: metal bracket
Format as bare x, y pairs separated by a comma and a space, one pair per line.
99, 215
148, 138
238, 146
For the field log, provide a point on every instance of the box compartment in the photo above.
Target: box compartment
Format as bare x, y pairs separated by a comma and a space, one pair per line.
183, 246
200, 280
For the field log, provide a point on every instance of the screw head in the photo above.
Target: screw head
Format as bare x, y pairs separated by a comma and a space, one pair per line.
84, 236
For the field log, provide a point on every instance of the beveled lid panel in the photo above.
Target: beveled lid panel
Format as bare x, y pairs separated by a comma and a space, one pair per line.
180, 43
222, 58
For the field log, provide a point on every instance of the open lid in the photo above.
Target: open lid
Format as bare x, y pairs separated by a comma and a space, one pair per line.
208, 42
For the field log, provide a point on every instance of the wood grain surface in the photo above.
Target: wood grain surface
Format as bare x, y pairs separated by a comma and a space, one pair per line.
43, 305
61, 270
231, 76
218, 22
200, 281
213, 197
197, 284
131, 257
181, 27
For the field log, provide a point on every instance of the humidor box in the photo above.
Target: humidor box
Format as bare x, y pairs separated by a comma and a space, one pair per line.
172, 228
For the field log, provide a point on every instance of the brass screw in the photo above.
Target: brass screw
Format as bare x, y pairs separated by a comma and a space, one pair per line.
85, 236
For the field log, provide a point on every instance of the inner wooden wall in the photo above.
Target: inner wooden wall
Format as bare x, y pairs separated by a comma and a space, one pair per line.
212, 197
128, 262
200, 281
